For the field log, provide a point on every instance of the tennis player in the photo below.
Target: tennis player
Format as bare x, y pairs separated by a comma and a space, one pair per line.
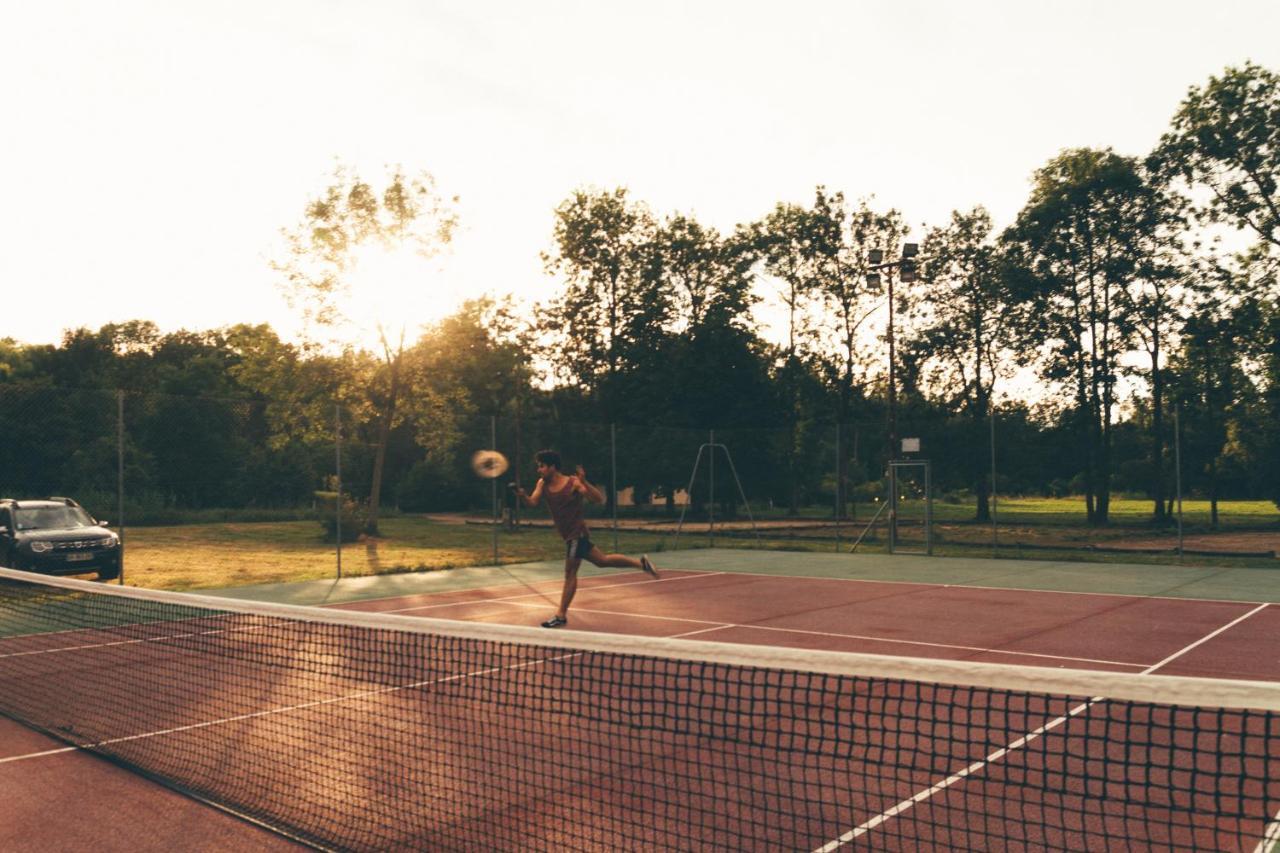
565, 497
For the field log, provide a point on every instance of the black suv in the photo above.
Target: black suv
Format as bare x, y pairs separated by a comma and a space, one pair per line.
57, 537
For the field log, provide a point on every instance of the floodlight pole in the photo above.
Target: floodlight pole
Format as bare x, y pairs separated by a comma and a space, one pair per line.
907, 269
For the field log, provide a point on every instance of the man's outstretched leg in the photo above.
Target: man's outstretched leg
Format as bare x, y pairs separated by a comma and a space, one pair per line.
621, 561
570, 589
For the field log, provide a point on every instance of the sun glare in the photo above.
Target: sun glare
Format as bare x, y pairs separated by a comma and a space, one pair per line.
395, 289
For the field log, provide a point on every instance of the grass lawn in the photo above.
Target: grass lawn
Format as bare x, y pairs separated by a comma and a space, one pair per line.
211, 556
1069, 511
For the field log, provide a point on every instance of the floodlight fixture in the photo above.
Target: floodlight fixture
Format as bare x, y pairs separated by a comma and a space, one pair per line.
875, 256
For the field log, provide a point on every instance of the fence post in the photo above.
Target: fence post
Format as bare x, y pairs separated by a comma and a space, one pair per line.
991, 497
120, 476
613, 468
1177, 464
337, 459
839, 487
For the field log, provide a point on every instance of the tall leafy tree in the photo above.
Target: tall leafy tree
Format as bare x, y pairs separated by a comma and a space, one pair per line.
1158, 297
1212, 391
841, 243
783, 244
966, 325
1223, 138
1076, 242
602, 250
349, 214
1223, 141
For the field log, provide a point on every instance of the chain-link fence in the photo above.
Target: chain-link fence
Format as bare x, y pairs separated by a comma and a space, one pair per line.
221, 492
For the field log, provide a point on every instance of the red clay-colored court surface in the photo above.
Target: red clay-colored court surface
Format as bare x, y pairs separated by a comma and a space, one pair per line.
1034, 628
804, 761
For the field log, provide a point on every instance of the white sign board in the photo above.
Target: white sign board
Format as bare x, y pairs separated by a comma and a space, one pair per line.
910, 445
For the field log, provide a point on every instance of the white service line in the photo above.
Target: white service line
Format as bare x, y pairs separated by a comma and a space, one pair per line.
39, 754
109, 644
927, 793
1270, 836
831, 635
350, 697
514, 598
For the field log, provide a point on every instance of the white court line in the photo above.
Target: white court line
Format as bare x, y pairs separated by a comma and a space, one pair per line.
1270, 836
831, 635
350, 697
976, 766
514, 598
39, 754
337, 605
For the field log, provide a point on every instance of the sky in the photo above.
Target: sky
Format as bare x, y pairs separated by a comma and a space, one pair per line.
152, 150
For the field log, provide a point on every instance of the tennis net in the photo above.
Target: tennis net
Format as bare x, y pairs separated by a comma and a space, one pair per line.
359, 731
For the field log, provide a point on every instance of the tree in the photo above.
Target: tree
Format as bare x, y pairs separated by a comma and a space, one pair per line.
841, 242
1211, 389
1076, 245
1157, 300
966, 324
350, 214
603, 242
783, 242
1223, 138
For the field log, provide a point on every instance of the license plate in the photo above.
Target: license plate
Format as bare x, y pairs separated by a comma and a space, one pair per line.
76, 558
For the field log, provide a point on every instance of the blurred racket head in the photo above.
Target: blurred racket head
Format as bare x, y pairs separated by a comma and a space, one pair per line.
488, 464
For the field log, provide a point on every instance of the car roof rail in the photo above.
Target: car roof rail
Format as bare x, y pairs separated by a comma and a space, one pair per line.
63, 500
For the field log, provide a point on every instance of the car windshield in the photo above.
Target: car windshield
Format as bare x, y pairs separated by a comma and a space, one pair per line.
52, 518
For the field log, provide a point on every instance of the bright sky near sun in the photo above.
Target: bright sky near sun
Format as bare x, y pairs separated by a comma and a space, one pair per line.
153, 149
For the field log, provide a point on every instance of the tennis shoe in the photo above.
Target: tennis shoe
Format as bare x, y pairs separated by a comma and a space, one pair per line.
647, 565
555, 622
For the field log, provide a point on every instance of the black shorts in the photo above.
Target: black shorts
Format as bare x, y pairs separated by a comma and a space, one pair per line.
578, 548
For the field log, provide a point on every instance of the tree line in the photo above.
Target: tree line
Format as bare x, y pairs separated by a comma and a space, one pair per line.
1123, 287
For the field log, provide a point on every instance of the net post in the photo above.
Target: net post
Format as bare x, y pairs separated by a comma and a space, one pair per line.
337, 462
120, 477
613, 473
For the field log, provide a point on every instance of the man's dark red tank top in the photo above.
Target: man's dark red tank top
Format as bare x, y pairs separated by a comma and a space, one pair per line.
567, 511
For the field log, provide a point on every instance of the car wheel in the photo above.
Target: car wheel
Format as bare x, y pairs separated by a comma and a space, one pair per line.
109, 574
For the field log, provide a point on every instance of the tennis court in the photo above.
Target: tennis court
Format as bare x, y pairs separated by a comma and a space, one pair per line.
741, 701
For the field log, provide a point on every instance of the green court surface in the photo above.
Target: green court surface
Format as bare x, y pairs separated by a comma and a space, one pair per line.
1172, 581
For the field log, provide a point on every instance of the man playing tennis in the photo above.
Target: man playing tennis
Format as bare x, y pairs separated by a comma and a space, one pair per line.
565, 496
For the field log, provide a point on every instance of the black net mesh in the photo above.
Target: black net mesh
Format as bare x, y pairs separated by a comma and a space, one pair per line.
366, 732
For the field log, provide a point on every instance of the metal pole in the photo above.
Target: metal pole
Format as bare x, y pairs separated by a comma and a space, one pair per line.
711, 498
995, 531
928, 509
893, 504
120, 476
613, 467
839, 487
493, 485
337, 466
893, 384
1177, 462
